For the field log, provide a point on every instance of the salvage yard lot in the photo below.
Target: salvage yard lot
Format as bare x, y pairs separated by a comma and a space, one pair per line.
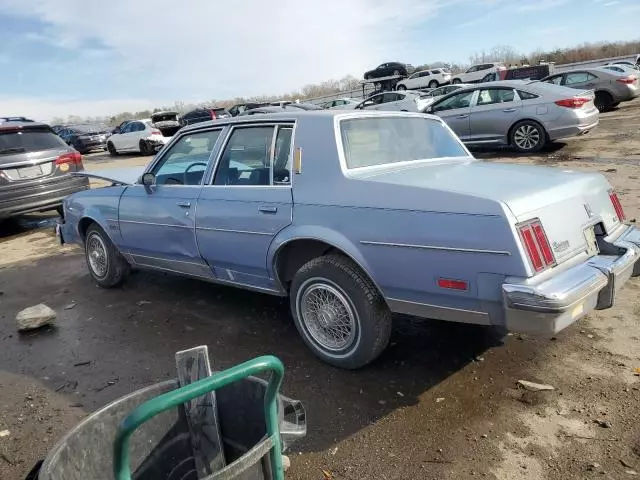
440, 403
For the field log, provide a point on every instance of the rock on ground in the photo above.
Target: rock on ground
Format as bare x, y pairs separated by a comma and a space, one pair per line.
35, 317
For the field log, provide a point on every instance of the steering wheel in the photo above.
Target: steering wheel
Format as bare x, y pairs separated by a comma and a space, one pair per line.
189, 168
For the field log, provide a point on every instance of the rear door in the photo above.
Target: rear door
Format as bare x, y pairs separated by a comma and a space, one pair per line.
493, 113
455, 111
248, 202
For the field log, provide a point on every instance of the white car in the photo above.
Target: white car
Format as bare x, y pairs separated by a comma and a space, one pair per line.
425, 79
476, 73
340, 104
137, 136
405, 101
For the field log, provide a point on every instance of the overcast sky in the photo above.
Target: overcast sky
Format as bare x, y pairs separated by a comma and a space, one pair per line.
91, 57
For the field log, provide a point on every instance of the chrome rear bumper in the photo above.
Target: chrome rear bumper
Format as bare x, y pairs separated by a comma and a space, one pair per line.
554, 304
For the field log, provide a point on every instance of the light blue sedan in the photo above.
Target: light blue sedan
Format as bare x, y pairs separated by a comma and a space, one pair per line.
355, 215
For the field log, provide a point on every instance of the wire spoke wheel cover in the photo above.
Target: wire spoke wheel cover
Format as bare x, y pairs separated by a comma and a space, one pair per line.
328, 315
97, 255
527, 137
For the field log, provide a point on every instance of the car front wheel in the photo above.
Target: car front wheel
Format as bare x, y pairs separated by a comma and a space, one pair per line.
106, 265
456, 80
401, 87
339, 312
434, 84
528, 136
111, 149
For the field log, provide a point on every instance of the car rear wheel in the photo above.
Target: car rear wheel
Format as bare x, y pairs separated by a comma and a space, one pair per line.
401, 87
456, 80
434, 84
603, 101
528, 136
111, 149
107, 266
339, 312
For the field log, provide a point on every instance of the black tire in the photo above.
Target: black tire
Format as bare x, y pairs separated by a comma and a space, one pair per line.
603, 101
614, 105
144, 148
116, 267
456, 81
401, 88
434, 84
396, 72
111, 149
369, 313
528, 136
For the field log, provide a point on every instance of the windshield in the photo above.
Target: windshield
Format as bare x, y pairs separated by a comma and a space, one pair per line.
384, 140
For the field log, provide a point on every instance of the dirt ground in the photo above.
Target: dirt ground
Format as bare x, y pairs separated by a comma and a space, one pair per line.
441, 402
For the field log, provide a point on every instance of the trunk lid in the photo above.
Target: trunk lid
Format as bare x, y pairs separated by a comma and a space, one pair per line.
567, 203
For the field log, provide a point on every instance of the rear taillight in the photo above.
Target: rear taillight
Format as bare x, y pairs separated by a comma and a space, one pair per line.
213, 115
537, 245
631, 79
575, 102
615, 201
156, 132
73, 158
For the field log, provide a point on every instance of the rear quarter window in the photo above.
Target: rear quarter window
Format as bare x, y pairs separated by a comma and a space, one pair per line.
526, 95
29, 141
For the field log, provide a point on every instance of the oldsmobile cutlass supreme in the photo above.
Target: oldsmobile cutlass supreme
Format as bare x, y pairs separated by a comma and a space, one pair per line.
355, 215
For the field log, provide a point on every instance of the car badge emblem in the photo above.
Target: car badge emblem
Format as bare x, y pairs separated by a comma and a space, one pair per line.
588, 210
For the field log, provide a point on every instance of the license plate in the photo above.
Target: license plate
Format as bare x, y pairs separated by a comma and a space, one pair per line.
592, 244
30, 172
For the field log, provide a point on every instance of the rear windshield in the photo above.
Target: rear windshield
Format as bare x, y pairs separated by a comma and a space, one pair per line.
29, 141
384, 140
166, 117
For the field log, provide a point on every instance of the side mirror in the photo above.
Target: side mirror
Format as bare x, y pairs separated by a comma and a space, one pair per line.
148, 179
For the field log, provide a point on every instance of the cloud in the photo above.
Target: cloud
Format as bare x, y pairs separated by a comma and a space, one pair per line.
225, 49
540, 5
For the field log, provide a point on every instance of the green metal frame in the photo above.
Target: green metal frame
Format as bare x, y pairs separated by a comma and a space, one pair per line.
144, 412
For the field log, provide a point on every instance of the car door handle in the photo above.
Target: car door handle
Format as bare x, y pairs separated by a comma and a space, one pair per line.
183, 204
509, 110
268, 209
463, 116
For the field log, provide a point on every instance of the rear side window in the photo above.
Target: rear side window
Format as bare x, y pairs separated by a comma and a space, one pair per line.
526, 95
29, 141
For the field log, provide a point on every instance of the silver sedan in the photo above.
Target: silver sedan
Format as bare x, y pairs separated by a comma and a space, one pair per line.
525, 115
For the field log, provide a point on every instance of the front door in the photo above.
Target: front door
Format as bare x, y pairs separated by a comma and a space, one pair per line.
157, 223
455, 111
494, 112
247, 204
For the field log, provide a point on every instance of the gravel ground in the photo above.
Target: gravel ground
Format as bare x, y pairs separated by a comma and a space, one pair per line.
441, 403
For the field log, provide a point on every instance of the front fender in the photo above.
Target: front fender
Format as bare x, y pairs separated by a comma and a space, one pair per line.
322, 234
98, 205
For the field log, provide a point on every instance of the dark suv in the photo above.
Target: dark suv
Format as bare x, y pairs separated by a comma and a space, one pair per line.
35, 167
